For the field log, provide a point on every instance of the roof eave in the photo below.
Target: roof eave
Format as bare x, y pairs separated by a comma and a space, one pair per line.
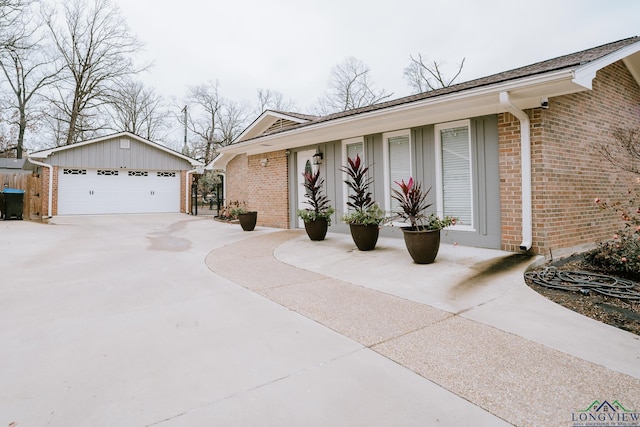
269, 116
525, 93
585, 73
220, 161
46, 153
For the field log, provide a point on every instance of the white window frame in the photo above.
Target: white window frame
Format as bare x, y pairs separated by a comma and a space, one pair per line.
387, 165
439, 172
345, 189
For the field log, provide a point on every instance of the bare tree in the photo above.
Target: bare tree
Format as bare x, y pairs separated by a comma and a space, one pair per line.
233, 119
202, 118
28, 68
423, 77
54, 126
214, 120
137, 109
96, 49
350, 87
272, 100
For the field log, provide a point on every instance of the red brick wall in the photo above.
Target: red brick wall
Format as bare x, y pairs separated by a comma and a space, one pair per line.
568, 173
236, 175
44, 191
183, 195
54, 196
263, 188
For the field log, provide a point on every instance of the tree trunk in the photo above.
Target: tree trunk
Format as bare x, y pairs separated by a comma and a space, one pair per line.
22, 127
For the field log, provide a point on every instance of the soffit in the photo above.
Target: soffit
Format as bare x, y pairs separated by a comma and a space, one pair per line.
633, 64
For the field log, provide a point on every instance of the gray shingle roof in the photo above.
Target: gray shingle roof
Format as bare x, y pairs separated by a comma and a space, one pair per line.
11, 163
550, 65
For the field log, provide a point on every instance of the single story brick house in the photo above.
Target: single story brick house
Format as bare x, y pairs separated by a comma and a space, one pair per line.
119, 173
512, 154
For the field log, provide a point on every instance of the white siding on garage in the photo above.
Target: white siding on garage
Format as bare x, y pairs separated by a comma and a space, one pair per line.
113, 191
119, 153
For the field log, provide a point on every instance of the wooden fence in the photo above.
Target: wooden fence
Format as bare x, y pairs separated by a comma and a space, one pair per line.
32, 185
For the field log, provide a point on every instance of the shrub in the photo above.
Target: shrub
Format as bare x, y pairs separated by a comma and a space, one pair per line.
621, 253
232, 210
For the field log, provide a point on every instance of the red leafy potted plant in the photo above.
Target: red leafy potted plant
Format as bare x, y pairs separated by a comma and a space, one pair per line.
365, 218
422, 236
317, 218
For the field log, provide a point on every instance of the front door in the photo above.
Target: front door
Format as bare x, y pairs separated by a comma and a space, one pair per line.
304, 161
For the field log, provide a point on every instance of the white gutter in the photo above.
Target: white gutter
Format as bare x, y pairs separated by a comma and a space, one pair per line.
50, 199
525, 168
462, 96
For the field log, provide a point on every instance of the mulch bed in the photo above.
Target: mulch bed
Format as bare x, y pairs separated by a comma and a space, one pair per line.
617, 312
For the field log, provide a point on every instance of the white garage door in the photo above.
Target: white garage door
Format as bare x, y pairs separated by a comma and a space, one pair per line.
99, 191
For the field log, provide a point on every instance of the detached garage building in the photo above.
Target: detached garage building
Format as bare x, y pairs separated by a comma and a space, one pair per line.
115, 174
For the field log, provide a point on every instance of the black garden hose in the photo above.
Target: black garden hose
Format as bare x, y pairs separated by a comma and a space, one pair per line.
585, 283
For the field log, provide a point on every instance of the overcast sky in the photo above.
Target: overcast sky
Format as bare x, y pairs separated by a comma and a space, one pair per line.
291, 46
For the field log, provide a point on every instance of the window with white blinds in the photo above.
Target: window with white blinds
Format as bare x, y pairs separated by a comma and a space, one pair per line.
457, 195
353, 150
399, 163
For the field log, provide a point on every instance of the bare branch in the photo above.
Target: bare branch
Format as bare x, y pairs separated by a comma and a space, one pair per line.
214, 120
423, 78
350, 87
624, 153
272, 100
137, 109
11, 22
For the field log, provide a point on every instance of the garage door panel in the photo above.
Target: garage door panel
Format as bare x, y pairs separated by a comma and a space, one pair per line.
117, 191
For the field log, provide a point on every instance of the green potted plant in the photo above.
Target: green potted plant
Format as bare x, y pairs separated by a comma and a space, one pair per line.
366, 216
422, 236
317, 218
246, 217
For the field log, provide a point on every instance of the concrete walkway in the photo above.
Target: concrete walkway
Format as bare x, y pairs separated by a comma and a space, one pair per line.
175, 320
116, 320
467, 322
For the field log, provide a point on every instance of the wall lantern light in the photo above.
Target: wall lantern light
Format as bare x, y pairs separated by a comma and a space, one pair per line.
263, 162
317, 158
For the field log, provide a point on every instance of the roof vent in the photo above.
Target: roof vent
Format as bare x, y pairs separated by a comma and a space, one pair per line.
125, 143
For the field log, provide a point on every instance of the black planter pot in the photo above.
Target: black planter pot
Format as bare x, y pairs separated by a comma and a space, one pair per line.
365, 236
423, 245
317, 230
248, 220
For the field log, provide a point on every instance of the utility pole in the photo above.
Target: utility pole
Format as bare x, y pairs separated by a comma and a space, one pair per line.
185, 148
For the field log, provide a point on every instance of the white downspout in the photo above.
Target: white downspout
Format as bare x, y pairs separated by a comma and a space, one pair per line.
525, 168
50, 199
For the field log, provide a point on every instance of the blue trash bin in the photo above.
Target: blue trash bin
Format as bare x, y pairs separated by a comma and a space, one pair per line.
11, 203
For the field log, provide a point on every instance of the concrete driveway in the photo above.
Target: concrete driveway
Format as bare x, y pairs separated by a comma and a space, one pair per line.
117, 320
